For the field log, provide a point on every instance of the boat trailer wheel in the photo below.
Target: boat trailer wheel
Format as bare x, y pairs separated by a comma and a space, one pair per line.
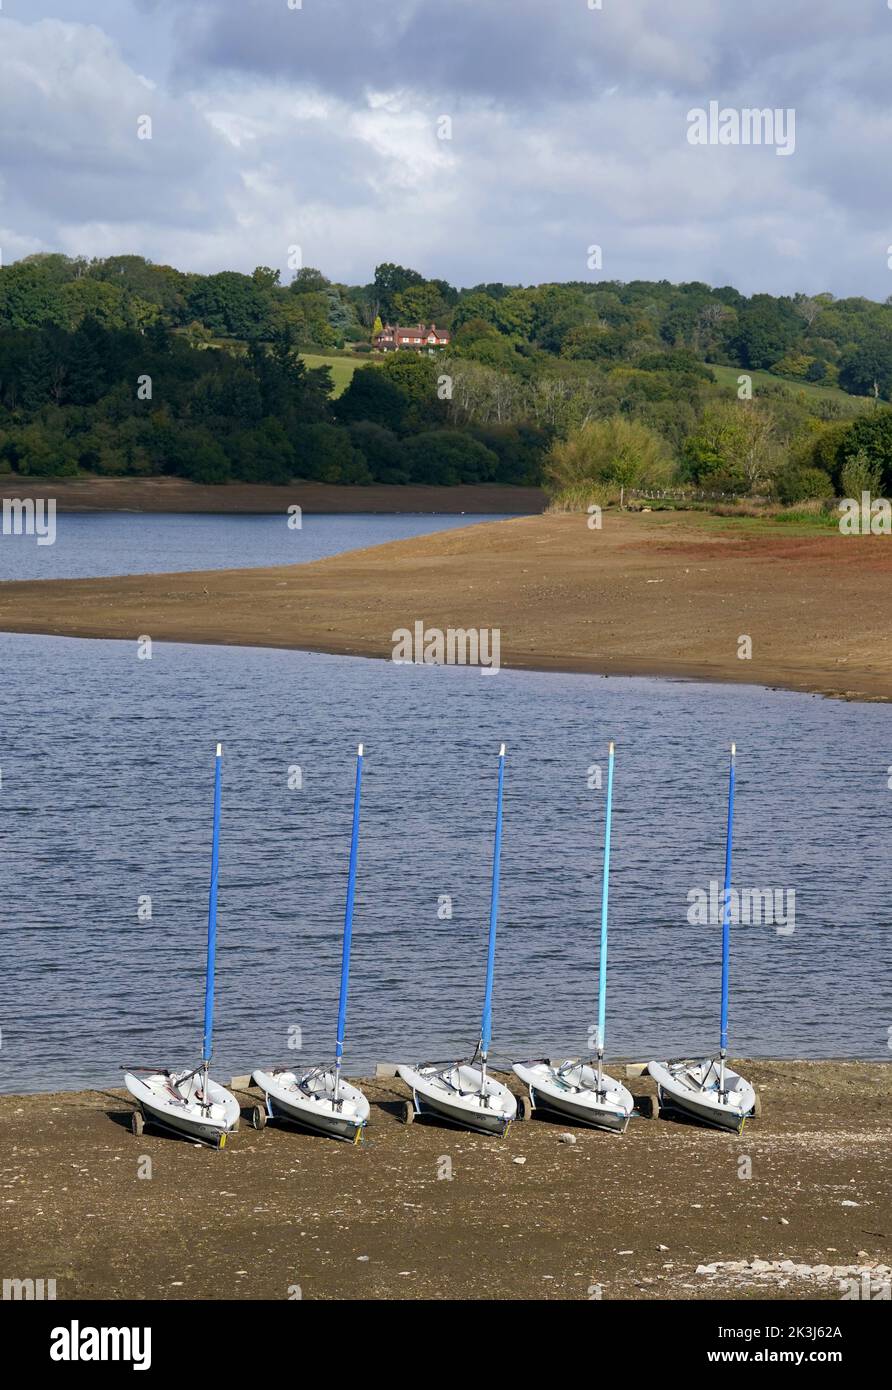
257, 1117
407, 1112
137, 1123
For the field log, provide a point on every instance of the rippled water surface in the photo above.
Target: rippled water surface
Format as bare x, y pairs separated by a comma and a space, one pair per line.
107, 767
111, 543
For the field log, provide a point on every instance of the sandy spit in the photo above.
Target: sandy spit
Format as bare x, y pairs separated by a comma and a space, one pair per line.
659, 594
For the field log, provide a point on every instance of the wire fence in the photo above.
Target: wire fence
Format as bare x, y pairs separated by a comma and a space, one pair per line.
690, 494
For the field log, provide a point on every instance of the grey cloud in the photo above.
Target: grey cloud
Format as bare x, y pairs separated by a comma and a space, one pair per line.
517, 51
569, 128
531, 52
69, 108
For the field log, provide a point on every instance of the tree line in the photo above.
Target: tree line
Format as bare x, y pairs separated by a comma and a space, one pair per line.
812, 338
125, 402
120, 366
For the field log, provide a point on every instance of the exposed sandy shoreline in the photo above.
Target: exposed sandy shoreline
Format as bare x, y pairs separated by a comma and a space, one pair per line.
633, 1214
177, 495
651, 594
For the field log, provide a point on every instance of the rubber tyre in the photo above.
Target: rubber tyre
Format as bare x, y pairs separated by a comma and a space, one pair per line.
407, 1114
525, 1108
257, 1117
137, 1123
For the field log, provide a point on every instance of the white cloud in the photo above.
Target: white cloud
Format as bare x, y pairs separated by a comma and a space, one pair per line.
319, 126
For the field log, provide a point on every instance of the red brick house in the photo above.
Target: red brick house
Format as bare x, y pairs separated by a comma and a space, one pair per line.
390, 339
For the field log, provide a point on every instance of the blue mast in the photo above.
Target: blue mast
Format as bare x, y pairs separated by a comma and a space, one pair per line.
348, 925
486, 1025
212, 922
602, 954
726, 919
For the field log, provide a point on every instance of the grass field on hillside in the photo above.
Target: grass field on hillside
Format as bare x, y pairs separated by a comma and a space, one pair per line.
342, 368
813, 391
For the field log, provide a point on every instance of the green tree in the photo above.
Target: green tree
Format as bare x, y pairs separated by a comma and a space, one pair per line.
446, 457
265, 278
422, 303
391, 280
520, 450
202, 459
797, 484
308, 280
861, 473
158, 285
327, 454
735, 447
262, 455
381, 450
765, 331
871, 436
230, 303
372, 396
475, 308
39, 451
30, 295
867, 369
99, 300
616, 451
556, 309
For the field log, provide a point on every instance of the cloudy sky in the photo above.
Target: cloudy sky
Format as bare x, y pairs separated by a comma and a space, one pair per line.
319, 126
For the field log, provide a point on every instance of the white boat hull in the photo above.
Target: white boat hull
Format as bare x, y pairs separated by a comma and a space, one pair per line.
308, 1100
174, 1101
571, 1090
452, 1092
692, 1089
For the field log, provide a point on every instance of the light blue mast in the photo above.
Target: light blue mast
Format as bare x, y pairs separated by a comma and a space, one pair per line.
602, 954
726, 922
212, 927
486, 1025
348, 926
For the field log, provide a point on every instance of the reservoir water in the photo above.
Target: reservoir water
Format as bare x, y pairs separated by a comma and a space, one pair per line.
105, 813
103, 543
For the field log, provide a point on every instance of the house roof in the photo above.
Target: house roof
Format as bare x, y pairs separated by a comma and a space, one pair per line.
415, 330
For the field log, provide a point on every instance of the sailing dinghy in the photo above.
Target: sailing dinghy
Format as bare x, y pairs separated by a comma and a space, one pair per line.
578, 1090
319, 1099
708, 1090
461, 1093
190, 1103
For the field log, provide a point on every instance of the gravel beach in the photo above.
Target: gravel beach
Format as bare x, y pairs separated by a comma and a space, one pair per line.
796, 1207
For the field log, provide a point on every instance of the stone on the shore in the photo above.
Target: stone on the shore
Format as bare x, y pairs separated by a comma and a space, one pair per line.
781, 1271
